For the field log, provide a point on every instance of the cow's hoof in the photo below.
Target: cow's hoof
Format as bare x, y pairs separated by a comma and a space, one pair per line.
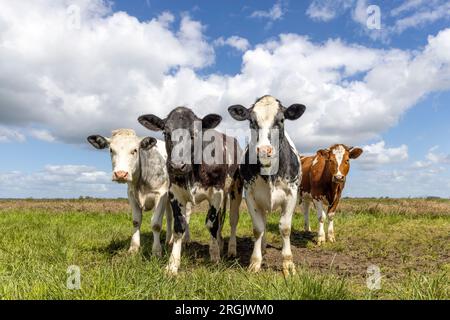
133, 250
232, 252
169, 241
157, 252
255, 265
171, 270
321, 240
331, 238
214, 253
288, 268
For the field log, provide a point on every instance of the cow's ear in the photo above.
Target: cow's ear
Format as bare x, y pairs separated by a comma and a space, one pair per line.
152, 122
294, 111
239, 113
355, 153
211, 121
324, 153
99, 142
147, 143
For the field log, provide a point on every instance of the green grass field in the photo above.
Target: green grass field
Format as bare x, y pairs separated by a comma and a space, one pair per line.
408, 239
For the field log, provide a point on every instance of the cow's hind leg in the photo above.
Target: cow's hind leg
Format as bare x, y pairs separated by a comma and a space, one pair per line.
169, 222
179, 227
287, 211
187, 232
222, 216
137, 221
305, 209
235, 203
158, 212
321, 217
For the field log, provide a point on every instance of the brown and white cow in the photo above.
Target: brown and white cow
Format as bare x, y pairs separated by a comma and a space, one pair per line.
322, 182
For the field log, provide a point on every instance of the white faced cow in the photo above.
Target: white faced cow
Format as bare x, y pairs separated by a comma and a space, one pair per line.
141, 163
272, 180
194, 178
323, 181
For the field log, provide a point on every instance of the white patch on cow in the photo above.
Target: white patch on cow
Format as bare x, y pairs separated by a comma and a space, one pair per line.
265, 110
339, 152
316, 159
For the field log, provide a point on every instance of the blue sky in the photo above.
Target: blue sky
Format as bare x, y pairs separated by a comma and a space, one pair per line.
65, 74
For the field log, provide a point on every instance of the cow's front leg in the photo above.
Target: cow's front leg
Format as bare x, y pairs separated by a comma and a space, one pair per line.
285, 230
213, 224
258, 232
156, 224
179, 227
137, 221
330, 235
321, 217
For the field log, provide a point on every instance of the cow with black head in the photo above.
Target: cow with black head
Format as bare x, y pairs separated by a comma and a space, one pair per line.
270, 171
203, 165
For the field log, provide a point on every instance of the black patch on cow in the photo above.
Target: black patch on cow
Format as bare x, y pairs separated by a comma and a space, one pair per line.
179, 222
214, 219
98, 141
288, 165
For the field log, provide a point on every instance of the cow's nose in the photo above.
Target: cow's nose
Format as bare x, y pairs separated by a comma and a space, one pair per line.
339, 178
265, 151
120, 175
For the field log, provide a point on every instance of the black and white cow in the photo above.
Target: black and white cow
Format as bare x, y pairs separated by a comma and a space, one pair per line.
272, 178
140, 163
202, 165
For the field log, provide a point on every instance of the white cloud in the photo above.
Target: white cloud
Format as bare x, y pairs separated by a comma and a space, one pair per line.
326, 10
407, 6
239, 43
43, 135
273, 14
409, 14
10, 135
424, 16
59, 181
87, 81
376, 155
432, 159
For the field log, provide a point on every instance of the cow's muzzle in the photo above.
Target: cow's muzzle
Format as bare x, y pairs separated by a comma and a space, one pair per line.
338, 178
265, 155
120, 176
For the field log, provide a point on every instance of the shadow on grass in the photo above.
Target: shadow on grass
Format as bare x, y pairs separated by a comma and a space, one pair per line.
197, 252
299, 239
